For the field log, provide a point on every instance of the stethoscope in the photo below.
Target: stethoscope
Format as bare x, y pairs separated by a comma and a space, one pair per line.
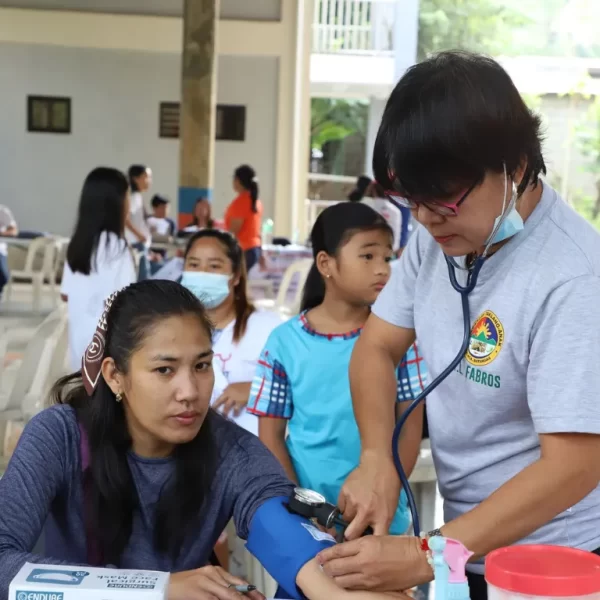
312, 505
464, 291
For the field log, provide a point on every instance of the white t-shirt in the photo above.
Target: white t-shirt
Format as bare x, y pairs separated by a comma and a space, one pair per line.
137, 217
6, 220
237, 362
113, 268
160, 225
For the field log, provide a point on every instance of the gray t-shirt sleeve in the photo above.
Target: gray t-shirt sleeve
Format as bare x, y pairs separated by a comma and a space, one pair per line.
34, 477
256, 477
563, 377
395, 303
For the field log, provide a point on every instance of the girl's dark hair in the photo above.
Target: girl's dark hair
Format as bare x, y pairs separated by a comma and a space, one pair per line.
362, 185
131, 318
101, 209
334, 228
449, 120
246, 175
134, 172
243, 307
210, 223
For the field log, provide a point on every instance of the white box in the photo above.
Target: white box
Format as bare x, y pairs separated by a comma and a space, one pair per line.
49, 582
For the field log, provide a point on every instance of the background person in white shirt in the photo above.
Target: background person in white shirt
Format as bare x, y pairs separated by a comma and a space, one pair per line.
8, 228
159, 223
215, 271
137, 232
99, 260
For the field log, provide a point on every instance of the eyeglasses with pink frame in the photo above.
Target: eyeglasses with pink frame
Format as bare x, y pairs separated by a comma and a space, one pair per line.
444, 209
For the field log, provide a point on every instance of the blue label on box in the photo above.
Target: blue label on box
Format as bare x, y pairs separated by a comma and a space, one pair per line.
39, 595
56, 576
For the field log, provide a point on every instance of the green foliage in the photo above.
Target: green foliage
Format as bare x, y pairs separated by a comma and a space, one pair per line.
476, 25
588, 142
333, 119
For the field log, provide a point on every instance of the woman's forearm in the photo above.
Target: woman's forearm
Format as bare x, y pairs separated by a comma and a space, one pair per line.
522, 505
316, 585
373, 384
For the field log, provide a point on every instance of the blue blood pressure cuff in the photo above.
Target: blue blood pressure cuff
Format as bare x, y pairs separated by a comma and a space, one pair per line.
284, 542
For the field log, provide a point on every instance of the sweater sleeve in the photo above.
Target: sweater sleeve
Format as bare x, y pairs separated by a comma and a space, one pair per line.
34, 477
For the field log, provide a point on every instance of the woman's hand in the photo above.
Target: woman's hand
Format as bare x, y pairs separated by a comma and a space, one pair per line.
316, 585
380, 563
233, 399
207, 583
370, 496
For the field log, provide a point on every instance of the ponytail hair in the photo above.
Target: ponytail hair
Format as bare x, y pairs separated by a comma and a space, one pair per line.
360, 190
334, 228
246, 175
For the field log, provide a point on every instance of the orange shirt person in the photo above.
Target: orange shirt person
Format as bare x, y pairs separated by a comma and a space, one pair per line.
244, 215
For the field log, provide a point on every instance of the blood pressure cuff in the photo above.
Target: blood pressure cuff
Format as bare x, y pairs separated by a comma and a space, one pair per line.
284, 542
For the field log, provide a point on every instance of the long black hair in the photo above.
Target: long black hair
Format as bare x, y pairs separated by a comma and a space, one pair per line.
333, 229
132, 316
243, 306
101, 209
451, 119
246, 175
134, 172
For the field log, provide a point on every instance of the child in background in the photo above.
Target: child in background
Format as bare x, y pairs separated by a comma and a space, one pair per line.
302, 384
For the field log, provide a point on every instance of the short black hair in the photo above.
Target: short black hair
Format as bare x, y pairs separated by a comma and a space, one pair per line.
451, 119
159, 200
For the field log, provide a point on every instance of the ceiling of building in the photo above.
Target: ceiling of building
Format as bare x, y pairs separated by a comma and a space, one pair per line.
263, 10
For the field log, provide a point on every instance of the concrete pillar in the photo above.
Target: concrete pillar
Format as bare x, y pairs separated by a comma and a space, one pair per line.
198, 102
376, 108
406, 36
293, 119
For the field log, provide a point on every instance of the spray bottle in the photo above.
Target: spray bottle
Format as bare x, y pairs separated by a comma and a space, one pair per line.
448, 559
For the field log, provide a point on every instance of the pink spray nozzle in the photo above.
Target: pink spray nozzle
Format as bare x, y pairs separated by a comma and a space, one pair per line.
456, 557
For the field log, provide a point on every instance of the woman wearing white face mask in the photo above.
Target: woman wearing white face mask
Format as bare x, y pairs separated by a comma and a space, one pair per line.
215, 271
515, 425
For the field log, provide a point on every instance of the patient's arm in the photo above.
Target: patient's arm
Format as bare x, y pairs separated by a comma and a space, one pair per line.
318, 586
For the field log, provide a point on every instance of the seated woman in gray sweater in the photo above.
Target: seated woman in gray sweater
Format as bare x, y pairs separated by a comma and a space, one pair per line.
131, 468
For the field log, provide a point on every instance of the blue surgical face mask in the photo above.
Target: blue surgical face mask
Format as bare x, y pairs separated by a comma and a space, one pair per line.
211, 289
510, 221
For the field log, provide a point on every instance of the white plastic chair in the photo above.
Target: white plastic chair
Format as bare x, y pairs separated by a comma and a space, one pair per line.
299, 271
37, 277
22, 395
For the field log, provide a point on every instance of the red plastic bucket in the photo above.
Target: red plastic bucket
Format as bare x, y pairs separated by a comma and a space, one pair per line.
543, 571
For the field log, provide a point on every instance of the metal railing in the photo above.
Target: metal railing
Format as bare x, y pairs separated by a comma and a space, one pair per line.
353, 26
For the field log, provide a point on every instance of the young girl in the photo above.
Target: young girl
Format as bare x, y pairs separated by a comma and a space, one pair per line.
214, 270
99, 261
132, 468
137, 232
302, 382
